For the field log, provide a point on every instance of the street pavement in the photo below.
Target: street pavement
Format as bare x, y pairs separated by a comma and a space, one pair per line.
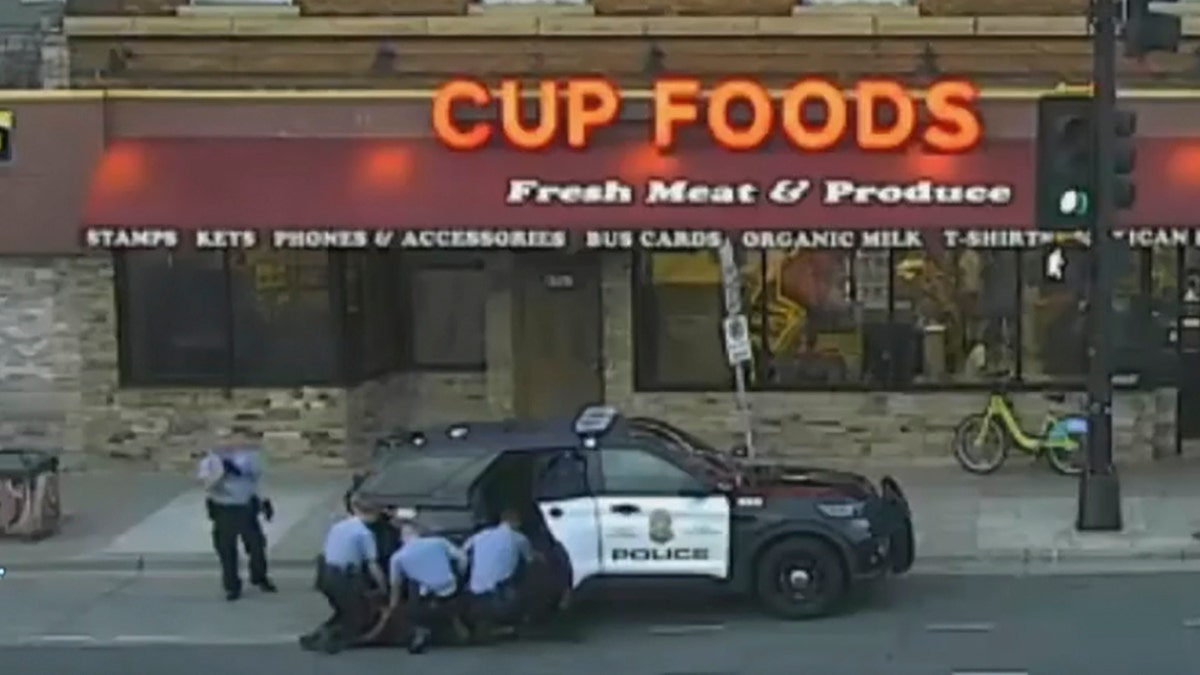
1019, 519
116, 624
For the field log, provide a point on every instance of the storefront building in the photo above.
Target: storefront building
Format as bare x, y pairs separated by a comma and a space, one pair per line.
862, 352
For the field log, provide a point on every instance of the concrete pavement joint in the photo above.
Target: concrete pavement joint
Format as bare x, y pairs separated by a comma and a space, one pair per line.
959, 627
685, 629
59, 639
91, 641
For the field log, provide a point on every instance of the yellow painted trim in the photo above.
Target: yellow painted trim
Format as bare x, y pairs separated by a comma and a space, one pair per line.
40, 95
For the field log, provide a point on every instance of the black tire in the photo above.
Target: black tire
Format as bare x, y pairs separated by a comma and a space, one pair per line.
823, 568
1066, 462
964, 435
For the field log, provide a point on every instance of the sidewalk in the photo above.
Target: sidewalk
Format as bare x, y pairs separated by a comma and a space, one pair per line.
1023, 516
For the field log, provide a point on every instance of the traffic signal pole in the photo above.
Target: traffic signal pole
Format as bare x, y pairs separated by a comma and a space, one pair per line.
1099, 487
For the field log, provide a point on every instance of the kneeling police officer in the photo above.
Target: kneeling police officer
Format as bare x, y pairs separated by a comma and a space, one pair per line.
427, 567
348, 567
496, 555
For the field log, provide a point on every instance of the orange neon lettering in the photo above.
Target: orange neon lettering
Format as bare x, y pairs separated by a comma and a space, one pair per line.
592, 102
674, 103
512, 106
452, 134
762, 117
872, 136
956, 125
575, 109
819, 137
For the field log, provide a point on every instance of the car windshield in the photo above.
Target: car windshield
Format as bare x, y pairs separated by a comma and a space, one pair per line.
681, 441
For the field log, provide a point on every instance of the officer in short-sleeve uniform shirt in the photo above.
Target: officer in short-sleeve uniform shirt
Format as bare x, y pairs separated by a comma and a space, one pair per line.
349, 563
231, 473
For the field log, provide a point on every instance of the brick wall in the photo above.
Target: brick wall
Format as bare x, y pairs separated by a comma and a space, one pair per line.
40, 366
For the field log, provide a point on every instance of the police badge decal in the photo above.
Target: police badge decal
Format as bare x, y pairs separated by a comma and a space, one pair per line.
660, 527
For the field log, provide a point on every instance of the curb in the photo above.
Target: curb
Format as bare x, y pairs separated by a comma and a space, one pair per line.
1023, 558
1043, 556
143, 564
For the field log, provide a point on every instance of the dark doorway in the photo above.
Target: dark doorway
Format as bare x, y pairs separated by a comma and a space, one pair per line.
1187, 420
557, 334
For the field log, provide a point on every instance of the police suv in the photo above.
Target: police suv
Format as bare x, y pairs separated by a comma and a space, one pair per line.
611, 496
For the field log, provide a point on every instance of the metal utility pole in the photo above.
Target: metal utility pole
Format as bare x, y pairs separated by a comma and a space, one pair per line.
1099, 487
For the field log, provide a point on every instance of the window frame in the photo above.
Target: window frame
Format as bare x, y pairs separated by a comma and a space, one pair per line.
227, 379
643, 300
565, 454
603, 489
125, 348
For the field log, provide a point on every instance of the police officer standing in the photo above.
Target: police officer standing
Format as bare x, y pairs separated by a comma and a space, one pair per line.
496, 554
429, 566
349, 563
230, 473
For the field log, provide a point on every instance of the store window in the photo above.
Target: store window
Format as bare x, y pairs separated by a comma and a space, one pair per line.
959, 311
1146, 316
245, 319
1053, 317
678, 310
904, 319
373, 316
809, 312
447, 301
283, 328
173, 318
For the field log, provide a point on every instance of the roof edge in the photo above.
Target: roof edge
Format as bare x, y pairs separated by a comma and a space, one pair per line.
102, 95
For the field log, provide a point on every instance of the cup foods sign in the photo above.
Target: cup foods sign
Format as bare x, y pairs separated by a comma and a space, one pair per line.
467, 114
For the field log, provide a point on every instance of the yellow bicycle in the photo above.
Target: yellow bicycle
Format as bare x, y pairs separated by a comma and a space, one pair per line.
982, 440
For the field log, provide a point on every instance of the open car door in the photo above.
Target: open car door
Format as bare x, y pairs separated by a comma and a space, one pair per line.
564, 495
902, 543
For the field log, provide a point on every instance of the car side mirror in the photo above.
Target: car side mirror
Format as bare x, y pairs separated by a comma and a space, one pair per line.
740, 450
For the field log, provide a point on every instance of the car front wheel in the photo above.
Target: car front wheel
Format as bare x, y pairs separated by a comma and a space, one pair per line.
800, 578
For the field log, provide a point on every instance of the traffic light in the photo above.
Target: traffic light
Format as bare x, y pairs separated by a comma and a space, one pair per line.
1124, 159
1147, 31
1064, 162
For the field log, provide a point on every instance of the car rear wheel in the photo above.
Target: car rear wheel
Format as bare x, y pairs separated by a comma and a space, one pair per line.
800, 578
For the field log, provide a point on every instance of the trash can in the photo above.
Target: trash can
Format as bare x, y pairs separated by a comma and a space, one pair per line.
29, 493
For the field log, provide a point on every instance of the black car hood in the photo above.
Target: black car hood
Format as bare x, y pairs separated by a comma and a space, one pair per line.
793, 479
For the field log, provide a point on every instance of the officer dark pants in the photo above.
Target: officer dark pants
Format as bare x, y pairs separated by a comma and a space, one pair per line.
353, 613
231, 523
442, 617
543, 587
487, 612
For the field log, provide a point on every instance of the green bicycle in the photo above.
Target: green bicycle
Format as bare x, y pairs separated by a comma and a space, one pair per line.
982, 441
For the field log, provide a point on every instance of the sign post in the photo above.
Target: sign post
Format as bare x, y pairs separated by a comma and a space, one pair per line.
736, 329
